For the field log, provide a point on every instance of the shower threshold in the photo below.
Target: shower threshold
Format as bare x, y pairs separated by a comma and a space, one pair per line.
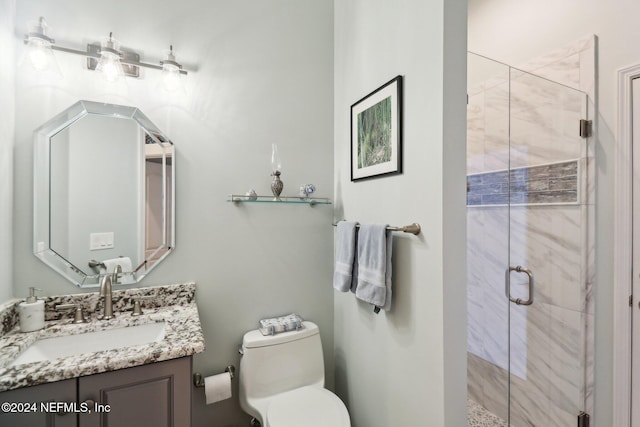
478, 416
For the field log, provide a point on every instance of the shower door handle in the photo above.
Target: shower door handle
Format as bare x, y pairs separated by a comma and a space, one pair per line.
526, 271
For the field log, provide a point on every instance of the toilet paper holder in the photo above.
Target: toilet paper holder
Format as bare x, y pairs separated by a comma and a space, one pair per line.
198, 379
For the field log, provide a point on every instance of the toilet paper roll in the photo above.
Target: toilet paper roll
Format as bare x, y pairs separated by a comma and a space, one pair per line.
217, 387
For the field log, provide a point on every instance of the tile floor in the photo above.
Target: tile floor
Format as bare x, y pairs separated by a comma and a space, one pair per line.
478, 416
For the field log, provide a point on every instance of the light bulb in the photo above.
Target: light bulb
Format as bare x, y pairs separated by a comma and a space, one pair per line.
39, 54
39, 45
110, 67
170, 77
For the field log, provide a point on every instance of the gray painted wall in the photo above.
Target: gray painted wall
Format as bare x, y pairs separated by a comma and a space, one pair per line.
264, 75
510, 32
7, 113
257, 84
406, 367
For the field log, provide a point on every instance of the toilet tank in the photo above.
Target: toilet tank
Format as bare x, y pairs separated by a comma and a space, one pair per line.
277, 363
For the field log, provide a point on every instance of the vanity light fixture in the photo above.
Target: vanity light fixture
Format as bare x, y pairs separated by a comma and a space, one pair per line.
108, 57
40, 46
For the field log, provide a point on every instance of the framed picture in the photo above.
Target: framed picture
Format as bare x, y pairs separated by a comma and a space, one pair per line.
376, 132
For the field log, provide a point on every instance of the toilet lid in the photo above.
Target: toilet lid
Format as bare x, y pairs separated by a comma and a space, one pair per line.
309, 407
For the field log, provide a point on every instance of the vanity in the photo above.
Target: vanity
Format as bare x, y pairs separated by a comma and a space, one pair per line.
125, 371
118, 357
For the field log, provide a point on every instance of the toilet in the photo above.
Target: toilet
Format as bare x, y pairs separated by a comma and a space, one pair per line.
282, 380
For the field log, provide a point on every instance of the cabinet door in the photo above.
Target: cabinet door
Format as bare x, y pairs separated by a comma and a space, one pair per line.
156, 395
61, 392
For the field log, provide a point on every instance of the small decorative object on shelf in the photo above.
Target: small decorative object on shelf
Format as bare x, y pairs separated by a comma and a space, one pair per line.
251, 195
307, 190
276, 185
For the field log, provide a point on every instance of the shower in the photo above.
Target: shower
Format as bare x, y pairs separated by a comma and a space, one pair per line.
529, 246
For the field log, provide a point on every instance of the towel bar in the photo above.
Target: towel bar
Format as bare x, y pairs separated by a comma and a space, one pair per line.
97, 264
411, 228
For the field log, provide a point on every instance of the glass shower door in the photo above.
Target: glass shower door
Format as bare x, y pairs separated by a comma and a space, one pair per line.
487, 241
547, 280
529, 251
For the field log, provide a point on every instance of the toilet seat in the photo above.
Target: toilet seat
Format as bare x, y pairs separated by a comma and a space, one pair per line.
307, 406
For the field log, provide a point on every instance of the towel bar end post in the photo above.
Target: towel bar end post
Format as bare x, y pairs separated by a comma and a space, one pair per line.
413, 228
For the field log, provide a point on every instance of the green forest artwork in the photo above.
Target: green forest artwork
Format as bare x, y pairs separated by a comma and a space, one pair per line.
374, 134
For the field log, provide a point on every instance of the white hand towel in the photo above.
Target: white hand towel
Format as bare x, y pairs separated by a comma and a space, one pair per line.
374, 265
124, 262
345, 255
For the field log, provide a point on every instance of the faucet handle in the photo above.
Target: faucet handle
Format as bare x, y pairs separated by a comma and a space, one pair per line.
78, 315
137, 308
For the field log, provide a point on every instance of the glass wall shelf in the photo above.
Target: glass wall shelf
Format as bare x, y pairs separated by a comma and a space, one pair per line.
239, 198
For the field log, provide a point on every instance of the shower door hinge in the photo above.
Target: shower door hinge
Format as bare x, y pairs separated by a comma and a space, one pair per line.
630, 300
583, 419
585, 128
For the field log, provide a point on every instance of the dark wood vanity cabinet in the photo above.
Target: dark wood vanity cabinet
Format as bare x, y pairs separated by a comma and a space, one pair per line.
27, 406
157, 394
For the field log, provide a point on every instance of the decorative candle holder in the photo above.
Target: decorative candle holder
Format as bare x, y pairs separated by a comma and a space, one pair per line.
276, 185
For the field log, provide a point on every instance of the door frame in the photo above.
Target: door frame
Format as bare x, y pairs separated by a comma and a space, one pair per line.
623, 246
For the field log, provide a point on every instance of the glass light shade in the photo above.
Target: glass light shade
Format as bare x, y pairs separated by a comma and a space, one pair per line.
109, 62
110, 66
39, 50
40, 53
171, 72
276, 163
170, 77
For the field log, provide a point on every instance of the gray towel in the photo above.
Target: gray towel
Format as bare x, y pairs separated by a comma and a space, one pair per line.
345, 255
374, 265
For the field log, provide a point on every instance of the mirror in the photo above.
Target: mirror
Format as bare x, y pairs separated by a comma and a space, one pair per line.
104, 193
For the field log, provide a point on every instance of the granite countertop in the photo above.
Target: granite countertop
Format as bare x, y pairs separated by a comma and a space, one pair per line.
173, 304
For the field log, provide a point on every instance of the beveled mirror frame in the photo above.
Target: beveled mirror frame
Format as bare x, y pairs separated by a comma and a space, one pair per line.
83, 275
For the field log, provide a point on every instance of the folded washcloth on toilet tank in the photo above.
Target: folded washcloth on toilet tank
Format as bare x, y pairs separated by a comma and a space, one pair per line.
276, 325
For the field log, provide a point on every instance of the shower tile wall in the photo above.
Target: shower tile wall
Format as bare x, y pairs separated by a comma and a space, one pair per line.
545, 342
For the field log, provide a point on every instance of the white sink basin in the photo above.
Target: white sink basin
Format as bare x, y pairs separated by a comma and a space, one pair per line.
72, 345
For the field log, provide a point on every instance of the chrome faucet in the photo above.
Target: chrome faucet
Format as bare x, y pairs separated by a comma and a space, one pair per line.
105, 291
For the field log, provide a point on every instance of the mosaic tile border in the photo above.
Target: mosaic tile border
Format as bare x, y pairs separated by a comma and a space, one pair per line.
551, 183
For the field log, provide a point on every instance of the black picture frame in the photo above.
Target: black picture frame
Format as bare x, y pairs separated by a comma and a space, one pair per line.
376, 132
